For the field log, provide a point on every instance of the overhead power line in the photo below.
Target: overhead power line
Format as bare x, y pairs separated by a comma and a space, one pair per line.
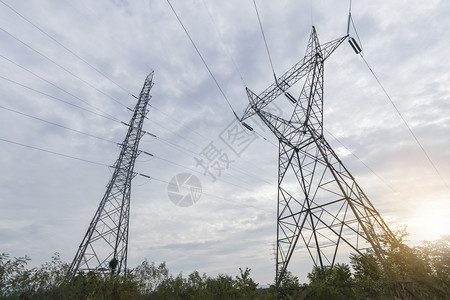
184, 151
406, 124
65, 47
361, 161
177, 121
203, 60
53, 152
211, 195
59, 99
63, 68
54, 85
227, 50
358, 49
201, 173
212, 75
264, 38
55, 124
268, 52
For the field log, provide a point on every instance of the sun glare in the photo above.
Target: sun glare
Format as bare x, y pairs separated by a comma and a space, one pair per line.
430, 225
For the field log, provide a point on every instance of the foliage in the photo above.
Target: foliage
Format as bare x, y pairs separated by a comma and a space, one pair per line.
150, 276
245, 285
404, 273
330, 283
14, 277
436, 256
204, 287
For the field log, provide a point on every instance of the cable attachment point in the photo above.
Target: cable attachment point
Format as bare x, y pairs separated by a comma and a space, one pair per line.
354, 45
149, 154
143, 175
290, 97
247, 126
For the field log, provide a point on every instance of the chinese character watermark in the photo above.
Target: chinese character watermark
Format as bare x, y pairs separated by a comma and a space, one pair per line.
213, 160
237, 138
185, 189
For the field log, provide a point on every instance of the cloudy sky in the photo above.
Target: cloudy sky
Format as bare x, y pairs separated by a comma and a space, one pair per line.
77, 65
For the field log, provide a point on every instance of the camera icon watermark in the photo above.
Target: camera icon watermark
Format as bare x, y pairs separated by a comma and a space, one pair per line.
184, 189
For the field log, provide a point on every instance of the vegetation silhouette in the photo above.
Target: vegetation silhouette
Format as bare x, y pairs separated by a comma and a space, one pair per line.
421, 272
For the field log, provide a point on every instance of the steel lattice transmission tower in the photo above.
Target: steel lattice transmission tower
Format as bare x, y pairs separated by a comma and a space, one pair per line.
105, 245
321, 208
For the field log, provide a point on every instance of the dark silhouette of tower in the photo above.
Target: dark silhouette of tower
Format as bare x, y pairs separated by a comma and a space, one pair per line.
321, 208
104, 247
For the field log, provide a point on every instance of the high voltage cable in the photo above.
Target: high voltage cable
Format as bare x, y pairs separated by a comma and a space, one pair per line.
70, 51
264, 38
223, 44
68, 156
61, 100
171, 131
271, 63
53, 152
364, 164
406, 123
210, 195
264, 138
196, 145
350, 19
126, 90
176, 121
55, 124
311, 11
184, 150
54, 85
203, 60
90, 161
201, 136
268, 53
63, 68
199, 172
234, 62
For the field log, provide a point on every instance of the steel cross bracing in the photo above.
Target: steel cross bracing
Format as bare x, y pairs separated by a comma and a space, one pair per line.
321, 208
105, 245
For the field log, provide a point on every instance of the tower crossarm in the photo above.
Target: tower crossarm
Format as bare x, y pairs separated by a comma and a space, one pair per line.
293, 75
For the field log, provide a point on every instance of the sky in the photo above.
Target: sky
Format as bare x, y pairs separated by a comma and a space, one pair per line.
78, 65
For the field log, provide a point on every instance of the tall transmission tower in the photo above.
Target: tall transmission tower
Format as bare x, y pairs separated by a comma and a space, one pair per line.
321, 208
104, 247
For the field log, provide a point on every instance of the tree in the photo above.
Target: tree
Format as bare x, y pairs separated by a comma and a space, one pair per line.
149, 276
51, 274
171, 288
245, 285
405, 272
290, 287
369, 281
15, 279
221, 287
436, 255
330, 283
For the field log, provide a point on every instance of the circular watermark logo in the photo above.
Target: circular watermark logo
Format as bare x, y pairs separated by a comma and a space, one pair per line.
184, 189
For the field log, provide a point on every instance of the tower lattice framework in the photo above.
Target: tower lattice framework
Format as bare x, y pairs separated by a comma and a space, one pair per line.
321, 208
104, 247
